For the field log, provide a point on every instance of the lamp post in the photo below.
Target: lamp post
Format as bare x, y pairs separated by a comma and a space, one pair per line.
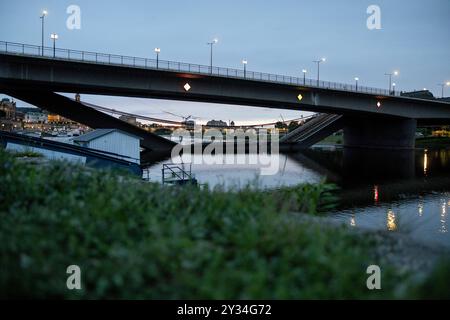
442, 85
304, 76
157, 51
244, 62
318, 68
356, 81
54, 37
44, 13
211, 52
393, 88
395, 73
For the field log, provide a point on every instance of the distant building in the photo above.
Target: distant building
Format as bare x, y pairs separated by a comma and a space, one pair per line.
25, 110
116, 143
9, 108
35, 117
20, 116
216, 123
129, 119
56, 118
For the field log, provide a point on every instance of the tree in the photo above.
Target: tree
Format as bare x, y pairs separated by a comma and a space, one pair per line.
280, 125
292, 125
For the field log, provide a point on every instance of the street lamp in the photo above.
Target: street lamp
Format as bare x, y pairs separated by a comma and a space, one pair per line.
395, 73
304, 76
442, 85
54, 37
44, 13
211, 52
393, 87
157, 50
244, 62
318, 68
356, 80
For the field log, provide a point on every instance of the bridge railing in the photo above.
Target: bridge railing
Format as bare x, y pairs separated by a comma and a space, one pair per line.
129, 61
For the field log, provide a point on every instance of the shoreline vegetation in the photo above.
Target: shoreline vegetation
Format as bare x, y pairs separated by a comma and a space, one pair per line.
423, 142
433, 142
138, 240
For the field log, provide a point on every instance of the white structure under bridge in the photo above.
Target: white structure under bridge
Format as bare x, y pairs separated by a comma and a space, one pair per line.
116, 143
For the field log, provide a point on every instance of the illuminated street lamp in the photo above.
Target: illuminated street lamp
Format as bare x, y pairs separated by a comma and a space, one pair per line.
54, 37
211, 52
44, 13
442, 85
318, 68
157, 50
356, 80
395, 73
304, 76
393, 87
244, 62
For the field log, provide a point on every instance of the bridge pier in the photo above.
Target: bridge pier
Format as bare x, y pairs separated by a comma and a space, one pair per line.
379, 132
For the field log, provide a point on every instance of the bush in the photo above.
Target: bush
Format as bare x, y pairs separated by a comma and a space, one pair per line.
140, 240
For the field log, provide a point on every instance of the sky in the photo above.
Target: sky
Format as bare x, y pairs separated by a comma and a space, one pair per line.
281, 37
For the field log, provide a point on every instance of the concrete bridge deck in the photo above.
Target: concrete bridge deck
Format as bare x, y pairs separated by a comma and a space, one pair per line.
95, 73
367, 112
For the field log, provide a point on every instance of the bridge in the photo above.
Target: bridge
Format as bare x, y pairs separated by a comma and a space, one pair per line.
183, 123
371, 117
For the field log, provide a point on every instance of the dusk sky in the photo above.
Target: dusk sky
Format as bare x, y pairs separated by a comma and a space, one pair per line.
281, 37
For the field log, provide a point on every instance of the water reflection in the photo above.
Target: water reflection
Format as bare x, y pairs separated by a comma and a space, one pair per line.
378, 189
238, 170
420, 206
353, 221
425, 162
375, 194
391, 223
443, 228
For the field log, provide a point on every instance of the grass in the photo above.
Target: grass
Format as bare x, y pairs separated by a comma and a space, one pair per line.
139, 240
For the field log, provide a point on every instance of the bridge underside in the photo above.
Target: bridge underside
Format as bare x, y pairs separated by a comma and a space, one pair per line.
369, 120
359, 131
60, 75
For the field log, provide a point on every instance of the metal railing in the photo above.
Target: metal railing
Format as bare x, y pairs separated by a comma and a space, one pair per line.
172, 173
136, 62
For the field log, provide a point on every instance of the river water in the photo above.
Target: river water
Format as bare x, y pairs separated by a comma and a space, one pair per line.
398, 191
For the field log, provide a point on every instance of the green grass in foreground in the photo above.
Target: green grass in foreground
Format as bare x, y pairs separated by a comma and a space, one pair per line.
140, 240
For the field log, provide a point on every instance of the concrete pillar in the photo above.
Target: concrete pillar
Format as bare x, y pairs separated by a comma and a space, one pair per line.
377, 166
379, 132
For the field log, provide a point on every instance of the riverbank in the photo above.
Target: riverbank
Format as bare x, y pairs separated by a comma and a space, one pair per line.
433, 142
143, 240
425, 142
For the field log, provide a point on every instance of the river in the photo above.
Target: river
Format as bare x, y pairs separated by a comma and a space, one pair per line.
398, 191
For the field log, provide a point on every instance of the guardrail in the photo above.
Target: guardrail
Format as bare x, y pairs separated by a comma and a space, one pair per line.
156, 64
172, 173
